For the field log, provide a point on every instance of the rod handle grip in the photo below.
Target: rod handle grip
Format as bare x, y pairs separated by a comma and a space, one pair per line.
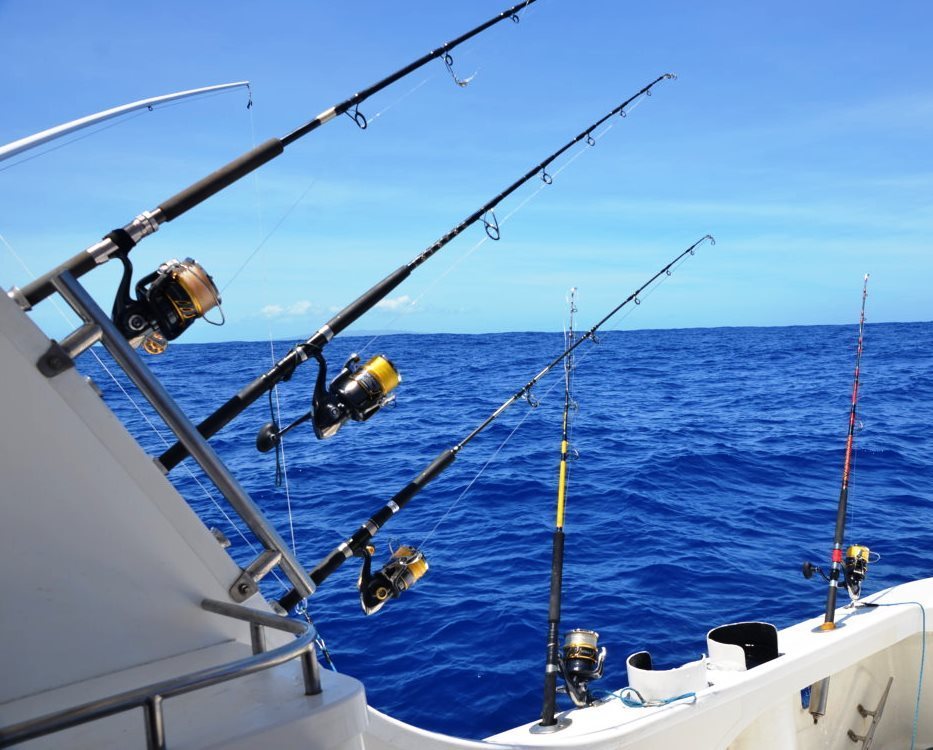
217, 181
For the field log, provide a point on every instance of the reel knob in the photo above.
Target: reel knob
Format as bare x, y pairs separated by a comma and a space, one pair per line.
267, 438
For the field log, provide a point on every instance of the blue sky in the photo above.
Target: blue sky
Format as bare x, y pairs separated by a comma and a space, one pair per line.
796, 133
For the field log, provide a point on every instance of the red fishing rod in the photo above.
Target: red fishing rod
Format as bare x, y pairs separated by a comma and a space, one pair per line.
854, 565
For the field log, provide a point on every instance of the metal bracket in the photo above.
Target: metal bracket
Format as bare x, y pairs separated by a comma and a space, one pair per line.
248, 582
60, 356
55, 360
220, 537
868, 738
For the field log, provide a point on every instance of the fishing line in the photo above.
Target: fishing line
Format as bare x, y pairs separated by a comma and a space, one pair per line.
275, 405
923, 656
275, 397
373, 587
207, 493
492, 458
402, 98
345, 398
73, 140
468, 51
472, 48
541, 400
482, 241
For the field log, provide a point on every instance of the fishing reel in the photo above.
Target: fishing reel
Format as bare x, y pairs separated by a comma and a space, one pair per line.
405, 567
580, 663
168, 301
854, 569
356, 393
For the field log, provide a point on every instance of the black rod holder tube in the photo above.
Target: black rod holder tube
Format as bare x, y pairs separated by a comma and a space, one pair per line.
552, 667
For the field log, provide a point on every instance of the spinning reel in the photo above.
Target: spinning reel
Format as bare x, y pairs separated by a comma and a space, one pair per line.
167, 302
404, 568
854, 569
356, 393
580, 663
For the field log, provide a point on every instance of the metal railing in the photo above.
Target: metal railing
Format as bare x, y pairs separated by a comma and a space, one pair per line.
98, 327
150, 697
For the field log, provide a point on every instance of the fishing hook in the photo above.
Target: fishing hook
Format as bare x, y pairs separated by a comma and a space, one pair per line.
358, 117
249, 94
449, 62
491, 225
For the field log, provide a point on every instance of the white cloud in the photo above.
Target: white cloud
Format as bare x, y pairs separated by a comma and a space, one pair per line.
300, 307
399, 304
294, 310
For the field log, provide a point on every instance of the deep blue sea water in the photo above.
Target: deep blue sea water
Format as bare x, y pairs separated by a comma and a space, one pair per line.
709, 470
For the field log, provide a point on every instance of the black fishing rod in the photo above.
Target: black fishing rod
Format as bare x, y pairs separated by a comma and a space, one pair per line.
854, 565
356, 545
552, 669
121, 241
329, 408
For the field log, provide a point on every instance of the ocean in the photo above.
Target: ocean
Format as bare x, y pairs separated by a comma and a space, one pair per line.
709, 469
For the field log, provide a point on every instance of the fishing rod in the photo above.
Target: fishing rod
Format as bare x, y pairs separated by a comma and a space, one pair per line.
358, 392
853, 567
549, 722
59, 131
552, 665
357, 544
121, 241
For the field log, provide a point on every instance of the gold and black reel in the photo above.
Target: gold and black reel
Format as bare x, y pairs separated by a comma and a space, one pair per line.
406, 566
168, 301
358, 392
856, 563
581, 662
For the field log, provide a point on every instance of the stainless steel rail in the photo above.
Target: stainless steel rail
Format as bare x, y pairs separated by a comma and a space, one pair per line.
151, 697
277, 552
